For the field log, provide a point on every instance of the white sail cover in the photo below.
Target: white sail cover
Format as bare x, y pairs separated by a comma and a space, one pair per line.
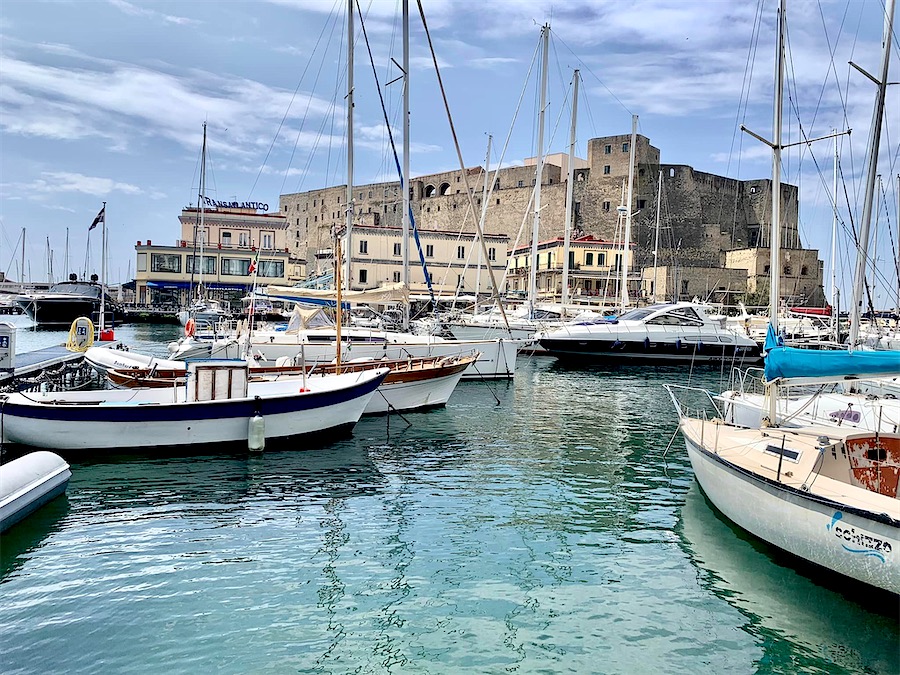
381, 295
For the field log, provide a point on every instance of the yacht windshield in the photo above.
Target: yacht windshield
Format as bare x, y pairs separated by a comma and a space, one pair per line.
636, 314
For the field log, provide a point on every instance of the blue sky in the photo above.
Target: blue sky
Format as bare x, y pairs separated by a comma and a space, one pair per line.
105, 100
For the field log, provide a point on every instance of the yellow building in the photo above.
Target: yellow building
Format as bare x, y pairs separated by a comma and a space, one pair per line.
232, 240
595, 269
453, 260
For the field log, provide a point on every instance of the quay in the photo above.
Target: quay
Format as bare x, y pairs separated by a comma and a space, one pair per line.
41, 362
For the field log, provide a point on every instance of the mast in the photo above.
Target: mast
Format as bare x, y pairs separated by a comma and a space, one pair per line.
834, 220
656, 240
49, 263
859, 278
404, 179
103, 271
775, 227
535, 229
628, 214
202, 202
23, 255
348, 234
484, 201
570, 192
66, 265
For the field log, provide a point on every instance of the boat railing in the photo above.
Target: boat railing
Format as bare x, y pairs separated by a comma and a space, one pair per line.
747, 380
694, 402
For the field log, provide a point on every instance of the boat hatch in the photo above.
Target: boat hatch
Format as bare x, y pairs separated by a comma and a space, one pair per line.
788, 453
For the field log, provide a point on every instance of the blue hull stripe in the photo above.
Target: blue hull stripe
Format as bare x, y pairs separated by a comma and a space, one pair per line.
185, 412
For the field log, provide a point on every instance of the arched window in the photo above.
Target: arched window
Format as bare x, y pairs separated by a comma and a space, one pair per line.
429, 190
445, 188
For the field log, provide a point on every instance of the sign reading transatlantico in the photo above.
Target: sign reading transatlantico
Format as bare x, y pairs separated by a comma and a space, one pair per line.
257, 206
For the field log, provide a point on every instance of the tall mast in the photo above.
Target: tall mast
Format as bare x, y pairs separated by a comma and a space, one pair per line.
656, 238
23, 255
201, 200
628, 214
404, 179
484, 202
66, 266
349, 140
570, 192
775, 227
535, 229
834, 219
859, 279
103, 271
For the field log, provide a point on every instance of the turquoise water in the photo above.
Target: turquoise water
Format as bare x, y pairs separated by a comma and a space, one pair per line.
549, 533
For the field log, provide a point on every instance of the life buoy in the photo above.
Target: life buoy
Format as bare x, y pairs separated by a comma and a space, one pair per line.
190, 327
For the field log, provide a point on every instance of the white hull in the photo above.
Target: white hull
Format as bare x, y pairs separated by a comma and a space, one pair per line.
496, 360
403, 396
828, 409
147, 418
110, 358
484, 332
29, 482
808, 526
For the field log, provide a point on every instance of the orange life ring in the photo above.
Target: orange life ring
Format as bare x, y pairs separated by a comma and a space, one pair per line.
190, 327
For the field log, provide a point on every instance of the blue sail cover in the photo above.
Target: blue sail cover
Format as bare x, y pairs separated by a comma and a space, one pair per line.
839, 364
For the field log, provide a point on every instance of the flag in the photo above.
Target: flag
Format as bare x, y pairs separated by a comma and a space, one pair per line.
254, 263
101, 218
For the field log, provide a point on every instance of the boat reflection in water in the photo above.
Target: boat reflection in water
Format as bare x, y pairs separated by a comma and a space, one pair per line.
781, 594
30, 534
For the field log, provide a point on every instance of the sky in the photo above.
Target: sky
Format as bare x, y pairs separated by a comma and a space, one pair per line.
104, 100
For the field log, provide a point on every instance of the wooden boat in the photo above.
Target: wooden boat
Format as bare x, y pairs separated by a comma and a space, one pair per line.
411, 384
221, 405
29, 482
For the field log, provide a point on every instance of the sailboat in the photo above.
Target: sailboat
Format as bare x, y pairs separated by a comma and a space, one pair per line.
826, 494
496, 358
203, 311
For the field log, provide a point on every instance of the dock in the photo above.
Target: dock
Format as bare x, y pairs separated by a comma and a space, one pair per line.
32, 364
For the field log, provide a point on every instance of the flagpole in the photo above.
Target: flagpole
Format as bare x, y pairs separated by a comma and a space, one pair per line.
103, 272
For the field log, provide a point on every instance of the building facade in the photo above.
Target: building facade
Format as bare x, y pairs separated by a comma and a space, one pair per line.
232, 241
595, 270
702, 216
455, 262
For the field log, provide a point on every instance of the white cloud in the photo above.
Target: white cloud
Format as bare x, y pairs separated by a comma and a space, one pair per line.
53, 182
134, 10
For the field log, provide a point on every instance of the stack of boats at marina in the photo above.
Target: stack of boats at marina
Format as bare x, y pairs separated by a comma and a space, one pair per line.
813, 471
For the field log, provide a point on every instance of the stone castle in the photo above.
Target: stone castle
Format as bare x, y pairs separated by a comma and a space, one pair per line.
707, 222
